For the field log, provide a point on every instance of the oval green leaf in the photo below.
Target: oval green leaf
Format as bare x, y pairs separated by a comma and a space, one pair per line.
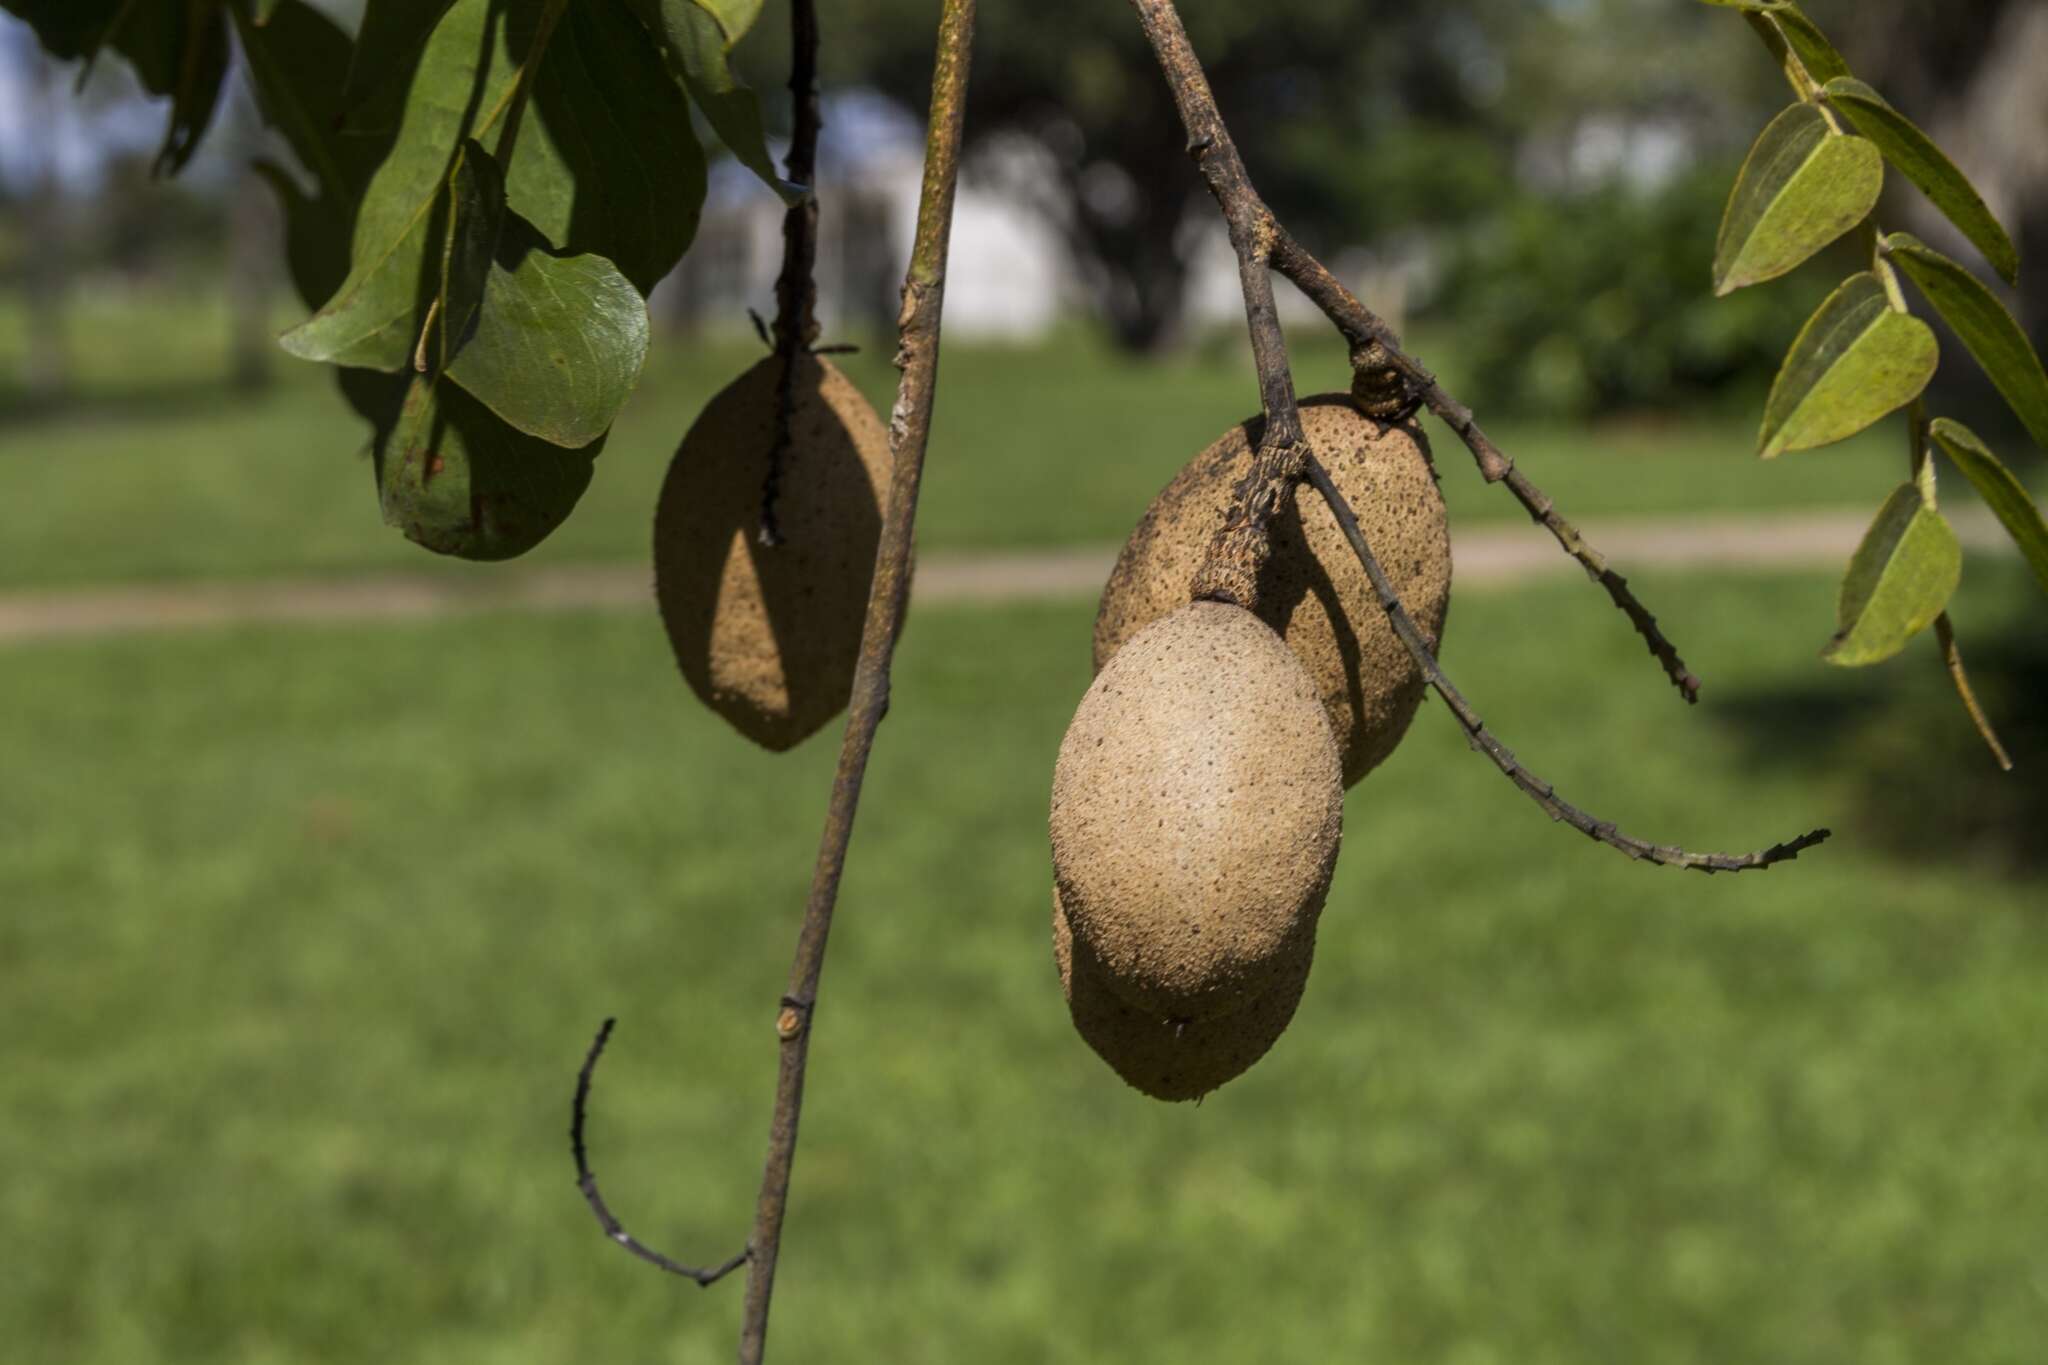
460, 482
1856, 360
1927, 166
2001, 490
1984, 325
1899, 580
697, 48
1803, 186
1816, 53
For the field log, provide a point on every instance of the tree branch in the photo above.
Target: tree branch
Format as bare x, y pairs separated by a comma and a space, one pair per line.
586, 1181
1539, 791
1284, 458
1230, 573
1373, 343
917, 357
796, 288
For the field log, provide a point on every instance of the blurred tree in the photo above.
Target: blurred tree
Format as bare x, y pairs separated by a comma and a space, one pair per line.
1970, 72
1360, 119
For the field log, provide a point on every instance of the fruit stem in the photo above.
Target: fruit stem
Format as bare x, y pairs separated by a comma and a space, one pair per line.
1482, 739
796, 288
1260, 241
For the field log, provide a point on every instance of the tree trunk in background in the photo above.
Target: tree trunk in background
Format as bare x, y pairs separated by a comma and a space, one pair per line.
1970, 72
253, 234
46, 367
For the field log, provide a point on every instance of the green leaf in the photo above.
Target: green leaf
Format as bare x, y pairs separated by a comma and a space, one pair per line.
315, 236
2001, 490
266, 10
292, 59
577, 176
1927, 166
389, 42
1899, 580
457, 480
697, 49
178, 48
1856, 359
67, 29
553, 344
1822, 62
475, 219
1803, 186
734, 16
1984, 325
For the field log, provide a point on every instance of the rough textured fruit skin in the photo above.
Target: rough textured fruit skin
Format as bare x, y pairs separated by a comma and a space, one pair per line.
768, 636
1160, 1057
1313, 590
1196, 812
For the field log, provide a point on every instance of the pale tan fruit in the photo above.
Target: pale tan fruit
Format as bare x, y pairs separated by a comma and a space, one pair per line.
1164, 1058
1313, 590
768, 635
1196, 811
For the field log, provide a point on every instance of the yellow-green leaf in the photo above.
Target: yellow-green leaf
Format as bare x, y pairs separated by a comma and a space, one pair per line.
2001, 490
1899, 580
1803, 186
1816, 53
1857, 359
1985, 326
1926, 165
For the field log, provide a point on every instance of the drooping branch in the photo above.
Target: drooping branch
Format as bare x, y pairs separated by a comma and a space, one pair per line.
586, 1181
1482, 739
1230, 573
796, 288
1260, 241
1369, 336
917, 357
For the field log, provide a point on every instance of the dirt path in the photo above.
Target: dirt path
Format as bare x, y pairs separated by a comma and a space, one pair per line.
1486, 556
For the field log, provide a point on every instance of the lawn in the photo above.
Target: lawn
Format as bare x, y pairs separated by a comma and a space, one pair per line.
161, 472
304, 932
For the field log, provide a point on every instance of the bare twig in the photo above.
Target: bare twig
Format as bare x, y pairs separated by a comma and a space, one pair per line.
1230, 573
1952, 657
1373, 343
1259, 240
586, 1181
796, 289
917, 357
1539, 791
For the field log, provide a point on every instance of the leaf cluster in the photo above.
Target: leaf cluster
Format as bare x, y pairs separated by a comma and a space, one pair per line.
490, 189
1813, 176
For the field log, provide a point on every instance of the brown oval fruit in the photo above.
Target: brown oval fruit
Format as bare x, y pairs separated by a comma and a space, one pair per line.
1196, 811
1313, 589
1165, 1058
768, 635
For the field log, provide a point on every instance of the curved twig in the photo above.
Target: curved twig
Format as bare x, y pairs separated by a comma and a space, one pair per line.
1482, 739
586, 1181
1368, 335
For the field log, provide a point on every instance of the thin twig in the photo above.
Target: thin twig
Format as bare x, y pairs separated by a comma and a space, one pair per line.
1230, 572
796, 289
1539, 791
1370, 337
1952, 657
586, 1181
917, 356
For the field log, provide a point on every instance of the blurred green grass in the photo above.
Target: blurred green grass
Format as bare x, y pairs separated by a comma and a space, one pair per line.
160, 471
305, 931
